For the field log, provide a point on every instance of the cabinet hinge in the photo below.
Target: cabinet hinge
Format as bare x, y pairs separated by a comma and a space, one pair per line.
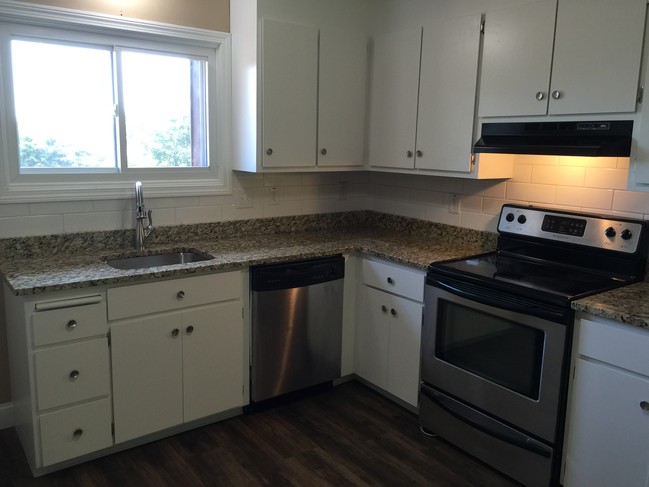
108, 337
574, 370
472, 161
112, 429
640, 94
482, 22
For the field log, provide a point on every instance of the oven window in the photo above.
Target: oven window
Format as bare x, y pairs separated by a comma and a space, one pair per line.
499, 350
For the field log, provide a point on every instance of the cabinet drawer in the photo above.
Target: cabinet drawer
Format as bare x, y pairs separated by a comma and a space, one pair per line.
72, 373
397, 280
69, 322
75, 431
155, 297
615, 343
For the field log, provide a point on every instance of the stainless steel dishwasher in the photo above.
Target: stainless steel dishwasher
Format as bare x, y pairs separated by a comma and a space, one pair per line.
296, 325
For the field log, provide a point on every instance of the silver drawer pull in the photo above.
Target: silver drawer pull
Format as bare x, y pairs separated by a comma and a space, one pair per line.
71, 325
180, 295
175, 332
393, 312
78, 433
74, 375
189, 330
644, 405
384, 308
390, 280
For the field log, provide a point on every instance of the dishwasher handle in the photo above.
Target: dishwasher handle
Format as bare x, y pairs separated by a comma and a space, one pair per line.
289, 275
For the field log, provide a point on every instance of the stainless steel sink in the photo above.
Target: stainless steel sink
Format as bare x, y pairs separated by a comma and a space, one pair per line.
158, 260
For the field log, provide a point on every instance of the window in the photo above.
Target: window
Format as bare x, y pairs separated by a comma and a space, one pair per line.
92, 103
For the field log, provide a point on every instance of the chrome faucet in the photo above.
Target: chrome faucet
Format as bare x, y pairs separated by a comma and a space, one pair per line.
141, 214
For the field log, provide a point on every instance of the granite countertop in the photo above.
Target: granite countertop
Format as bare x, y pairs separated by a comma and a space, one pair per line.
38, 271
628, 304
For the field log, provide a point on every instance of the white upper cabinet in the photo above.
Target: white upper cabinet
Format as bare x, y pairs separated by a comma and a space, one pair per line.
290, 94
394, 99
299, 93
447, 95
588, 62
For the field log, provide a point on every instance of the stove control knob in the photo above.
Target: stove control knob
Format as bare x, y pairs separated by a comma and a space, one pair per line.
509, 217
610, 232
522, 219
626, 234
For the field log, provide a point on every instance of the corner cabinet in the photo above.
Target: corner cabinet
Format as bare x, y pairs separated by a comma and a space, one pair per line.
607, 430
585, 62
423, 101
388, 330
177, 350
299, 94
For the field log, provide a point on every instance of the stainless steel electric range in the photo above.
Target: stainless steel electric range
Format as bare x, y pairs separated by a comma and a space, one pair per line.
498, 329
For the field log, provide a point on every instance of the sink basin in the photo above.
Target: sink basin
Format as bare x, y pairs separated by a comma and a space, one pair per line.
158, 260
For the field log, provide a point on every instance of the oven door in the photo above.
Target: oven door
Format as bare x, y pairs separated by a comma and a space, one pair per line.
494, 357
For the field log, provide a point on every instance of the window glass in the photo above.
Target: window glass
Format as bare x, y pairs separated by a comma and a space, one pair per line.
164, 105
64, 103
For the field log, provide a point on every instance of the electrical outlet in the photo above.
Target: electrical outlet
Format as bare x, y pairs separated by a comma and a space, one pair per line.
454, 204
274, 195
241, 199
342, 190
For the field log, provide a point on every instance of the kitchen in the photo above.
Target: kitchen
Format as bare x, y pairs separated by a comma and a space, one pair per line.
596, 185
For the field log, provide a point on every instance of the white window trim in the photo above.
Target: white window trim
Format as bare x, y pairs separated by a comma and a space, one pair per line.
17, 190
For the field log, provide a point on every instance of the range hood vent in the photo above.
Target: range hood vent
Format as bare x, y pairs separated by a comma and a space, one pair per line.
594, 139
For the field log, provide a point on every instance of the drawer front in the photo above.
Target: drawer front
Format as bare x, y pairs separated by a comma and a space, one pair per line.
397, 280
615, 343
69, 323
75, 431
72, 373
155, 297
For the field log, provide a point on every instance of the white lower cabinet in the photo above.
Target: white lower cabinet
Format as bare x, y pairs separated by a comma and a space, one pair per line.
607, 433
181, 364
60, 374
388, 333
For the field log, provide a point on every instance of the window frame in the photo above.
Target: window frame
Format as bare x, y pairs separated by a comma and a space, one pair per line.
25, 20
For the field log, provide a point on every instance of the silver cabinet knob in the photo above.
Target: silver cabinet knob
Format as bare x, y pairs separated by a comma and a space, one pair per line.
189, 330
384, 308
540, 95
556, 94
175, 332
393, 312
390, 280
419, 153
180, 294
644, 405
409, 154
74, 375
323, 152
71, 325
78, 433
269, 151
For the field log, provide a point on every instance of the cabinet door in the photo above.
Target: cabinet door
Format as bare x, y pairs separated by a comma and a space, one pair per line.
608, 433
372, 337
394, 95
597, 54
290, 94
212, 360
447, 94
404, 345
516, 60
147, 375
342, 97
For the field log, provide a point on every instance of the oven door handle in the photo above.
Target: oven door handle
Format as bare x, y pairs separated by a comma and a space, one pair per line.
485, 296
486, 424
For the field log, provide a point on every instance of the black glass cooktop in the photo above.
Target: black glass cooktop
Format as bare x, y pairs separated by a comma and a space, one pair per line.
514, 272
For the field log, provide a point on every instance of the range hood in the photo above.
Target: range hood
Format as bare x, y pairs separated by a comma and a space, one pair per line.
603, 138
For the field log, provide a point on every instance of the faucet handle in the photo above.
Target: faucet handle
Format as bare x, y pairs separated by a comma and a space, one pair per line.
149, 217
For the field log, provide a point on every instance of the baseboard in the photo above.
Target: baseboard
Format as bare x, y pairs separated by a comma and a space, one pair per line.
6, 415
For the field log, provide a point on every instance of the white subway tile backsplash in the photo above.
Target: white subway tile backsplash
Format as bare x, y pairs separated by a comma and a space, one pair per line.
442, 215
631, 201
559, 175
597, 177
171, 202
198, 214
536, 193
14, 209
230, 213
533, 160
225, 199
432, 198
479, 221
284, 179
522, 173
98, 221
588, 161
445, 185
490, 188
60, 207
585, 197
283, 208
30, 226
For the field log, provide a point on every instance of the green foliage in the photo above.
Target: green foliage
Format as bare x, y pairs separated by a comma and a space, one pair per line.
172, 147
49, 155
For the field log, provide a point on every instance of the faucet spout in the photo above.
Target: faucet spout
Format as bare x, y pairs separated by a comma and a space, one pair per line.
141, 214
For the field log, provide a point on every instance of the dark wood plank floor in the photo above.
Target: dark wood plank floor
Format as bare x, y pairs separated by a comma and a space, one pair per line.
349, 435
